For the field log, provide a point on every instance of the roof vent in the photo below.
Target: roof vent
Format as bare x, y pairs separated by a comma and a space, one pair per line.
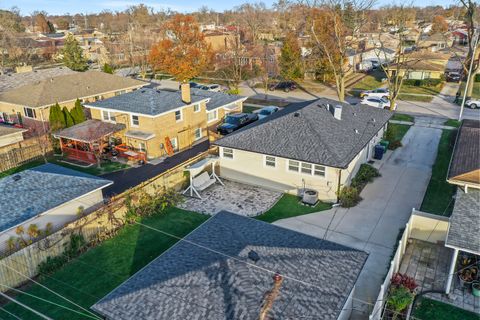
142, 91
17, 177
337, 112
296, 114
252, 255
356, 131
373, 120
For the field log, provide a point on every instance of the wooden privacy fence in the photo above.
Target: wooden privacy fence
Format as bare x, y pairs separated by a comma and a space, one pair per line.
18, 156
16, 268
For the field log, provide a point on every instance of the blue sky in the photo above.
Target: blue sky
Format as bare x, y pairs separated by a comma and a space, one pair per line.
92, 6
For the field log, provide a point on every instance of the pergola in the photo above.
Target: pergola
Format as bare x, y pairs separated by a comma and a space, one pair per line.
84, 141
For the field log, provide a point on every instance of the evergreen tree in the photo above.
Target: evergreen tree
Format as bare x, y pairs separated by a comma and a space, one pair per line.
73, 55
107, 68
56, 118
77, 112
291, 58
68, 118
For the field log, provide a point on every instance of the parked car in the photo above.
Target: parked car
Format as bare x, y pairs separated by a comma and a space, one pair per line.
380, 93
208, 87
473, 103
266, 111
377, 102
453, 77
236, 121
283, 85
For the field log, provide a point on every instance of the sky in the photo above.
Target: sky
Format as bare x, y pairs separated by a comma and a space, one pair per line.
92, 6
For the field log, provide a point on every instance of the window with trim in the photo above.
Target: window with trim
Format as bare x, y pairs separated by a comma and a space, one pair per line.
198, 134
270, 161
293, 166
174, 143
108, 116
142, 147
319, 171
227, 153
135, 120
212, 115
29, 112
306, 168
196, 108
178, 115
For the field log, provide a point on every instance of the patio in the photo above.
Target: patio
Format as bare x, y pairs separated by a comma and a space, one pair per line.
235, 197
429, 264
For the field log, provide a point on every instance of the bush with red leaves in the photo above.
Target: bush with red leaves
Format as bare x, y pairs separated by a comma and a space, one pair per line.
403, 280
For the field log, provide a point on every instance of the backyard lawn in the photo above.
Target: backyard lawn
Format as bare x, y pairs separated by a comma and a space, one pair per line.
438, 198
98, 271
289, 206
28, 165
431, 309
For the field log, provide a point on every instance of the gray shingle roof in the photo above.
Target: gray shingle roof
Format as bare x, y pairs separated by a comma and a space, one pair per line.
89, 131
153, 102
40, 189
466, 154
314, 135
190, 282
464, 228
15, 80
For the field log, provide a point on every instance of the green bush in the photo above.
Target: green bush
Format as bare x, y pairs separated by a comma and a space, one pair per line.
422, 83
365, 174
349, 197
52, 264
399, 300
75, 247
477, 77
233, 91
392, 135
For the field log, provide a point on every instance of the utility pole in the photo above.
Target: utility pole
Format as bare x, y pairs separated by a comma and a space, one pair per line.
41, 315
469, 76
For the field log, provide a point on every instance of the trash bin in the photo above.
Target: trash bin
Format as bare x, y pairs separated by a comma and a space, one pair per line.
379, 150
385, 144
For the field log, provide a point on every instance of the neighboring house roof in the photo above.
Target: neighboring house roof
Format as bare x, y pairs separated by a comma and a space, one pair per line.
15, 80
465, 162
463, 232
67, 88
8, 130
308, 131
89, 131
34, 191
189, 281
153, 102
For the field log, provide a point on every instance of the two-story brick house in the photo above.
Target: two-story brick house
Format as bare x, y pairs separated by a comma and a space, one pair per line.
155, 118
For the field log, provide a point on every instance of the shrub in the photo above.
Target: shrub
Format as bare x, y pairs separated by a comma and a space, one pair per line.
52, 264
365, 174
395, 144
477, 77
399, 279
422, 83
392, 135
76, 245
233, 91
399, 300
349, 197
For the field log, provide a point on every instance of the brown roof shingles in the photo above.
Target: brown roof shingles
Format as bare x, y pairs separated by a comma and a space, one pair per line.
466, 154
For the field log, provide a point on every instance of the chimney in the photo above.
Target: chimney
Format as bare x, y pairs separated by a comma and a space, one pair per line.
185, 89
337, 112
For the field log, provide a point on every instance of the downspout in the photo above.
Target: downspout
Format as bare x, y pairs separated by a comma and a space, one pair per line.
339, 182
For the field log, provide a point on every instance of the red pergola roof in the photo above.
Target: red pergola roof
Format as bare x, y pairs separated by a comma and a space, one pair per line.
89, 131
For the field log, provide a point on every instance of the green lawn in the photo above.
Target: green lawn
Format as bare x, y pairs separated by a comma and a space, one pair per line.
452, 123
101, 269
403, 117
370, 81
433, 90
431, 309
289, 206
408, 97
475, 91
25, 166
438, 197
399, 131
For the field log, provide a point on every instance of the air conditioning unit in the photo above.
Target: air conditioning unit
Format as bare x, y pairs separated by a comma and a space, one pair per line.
310, 197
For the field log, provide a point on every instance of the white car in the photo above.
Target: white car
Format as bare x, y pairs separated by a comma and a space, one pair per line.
266, 111
473, 103
379, 93
377, 102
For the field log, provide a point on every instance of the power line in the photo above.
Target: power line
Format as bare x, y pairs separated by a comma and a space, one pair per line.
25, 306
10, 314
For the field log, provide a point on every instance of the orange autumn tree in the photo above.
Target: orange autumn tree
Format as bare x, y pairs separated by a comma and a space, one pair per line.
183, 52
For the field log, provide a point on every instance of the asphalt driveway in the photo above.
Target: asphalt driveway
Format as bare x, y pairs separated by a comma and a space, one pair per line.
374, 224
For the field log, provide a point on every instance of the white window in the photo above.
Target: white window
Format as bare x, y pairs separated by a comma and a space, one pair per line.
212, 116
174, 143
306, 168
135, 120
29, 112
108, 116
293, 166
196, 108
198, 134
178, 115
142, 147
270, 161
227, 153
319, 171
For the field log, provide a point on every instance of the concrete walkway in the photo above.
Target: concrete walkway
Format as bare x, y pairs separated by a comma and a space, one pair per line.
374, 224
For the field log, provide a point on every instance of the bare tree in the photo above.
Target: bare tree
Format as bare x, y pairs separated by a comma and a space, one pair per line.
253, 16
335, 26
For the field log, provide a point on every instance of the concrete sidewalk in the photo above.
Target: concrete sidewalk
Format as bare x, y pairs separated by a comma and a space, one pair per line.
374, 224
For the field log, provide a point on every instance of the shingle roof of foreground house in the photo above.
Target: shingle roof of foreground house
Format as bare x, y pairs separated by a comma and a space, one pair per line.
34, 191
209, 275
153, 102
463, 232
308, 131
67, 88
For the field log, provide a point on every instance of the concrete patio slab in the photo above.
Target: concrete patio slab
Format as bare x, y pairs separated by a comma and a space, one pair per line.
234, 197
373, 225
